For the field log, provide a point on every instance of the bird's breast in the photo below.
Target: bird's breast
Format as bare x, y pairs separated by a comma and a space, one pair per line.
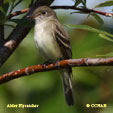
46, 42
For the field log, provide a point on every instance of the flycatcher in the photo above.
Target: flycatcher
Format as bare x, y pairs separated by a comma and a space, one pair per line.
53, 43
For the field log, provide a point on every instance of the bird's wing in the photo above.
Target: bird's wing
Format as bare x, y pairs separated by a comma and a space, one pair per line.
63, 41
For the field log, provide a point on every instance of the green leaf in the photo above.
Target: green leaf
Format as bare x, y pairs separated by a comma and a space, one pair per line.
78, 2
105, 37
9, 25
105, 4
18, 2
2, 18
88, 28
13, 1
23, 22
84, 3
2, 15
5, 7
106, 55
97, 17
2, 10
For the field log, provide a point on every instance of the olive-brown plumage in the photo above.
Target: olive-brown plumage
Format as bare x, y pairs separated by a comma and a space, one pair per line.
53, 43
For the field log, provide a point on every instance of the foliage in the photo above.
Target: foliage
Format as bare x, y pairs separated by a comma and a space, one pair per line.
105, 4
7, 8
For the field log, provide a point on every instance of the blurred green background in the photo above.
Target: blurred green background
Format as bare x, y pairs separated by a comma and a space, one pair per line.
91, 85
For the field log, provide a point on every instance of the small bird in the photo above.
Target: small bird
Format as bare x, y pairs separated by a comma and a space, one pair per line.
53, 43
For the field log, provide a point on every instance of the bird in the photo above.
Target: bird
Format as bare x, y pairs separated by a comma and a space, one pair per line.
53, 43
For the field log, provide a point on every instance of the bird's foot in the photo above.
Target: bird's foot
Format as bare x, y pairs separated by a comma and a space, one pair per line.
57, 65
52, 61
48, 62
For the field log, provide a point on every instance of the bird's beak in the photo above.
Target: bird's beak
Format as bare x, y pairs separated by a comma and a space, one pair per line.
31, 17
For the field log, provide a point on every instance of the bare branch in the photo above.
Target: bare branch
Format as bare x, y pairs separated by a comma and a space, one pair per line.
18, 13
83, 10
57, 65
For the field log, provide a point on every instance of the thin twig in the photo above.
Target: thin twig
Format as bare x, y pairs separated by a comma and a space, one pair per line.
85, 10
18, 13
67, 7
57, 65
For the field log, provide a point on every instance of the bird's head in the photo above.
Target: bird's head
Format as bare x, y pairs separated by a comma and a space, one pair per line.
42, 12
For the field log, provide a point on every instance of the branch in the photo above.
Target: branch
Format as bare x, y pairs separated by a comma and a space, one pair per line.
57, 65
67, 7
18, 13
85, 10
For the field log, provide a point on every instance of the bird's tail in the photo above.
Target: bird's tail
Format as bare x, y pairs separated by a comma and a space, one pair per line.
66, 80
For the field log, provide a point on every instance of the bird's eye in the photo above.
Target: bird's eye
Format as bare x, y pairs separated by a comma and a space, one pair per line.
43, 12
